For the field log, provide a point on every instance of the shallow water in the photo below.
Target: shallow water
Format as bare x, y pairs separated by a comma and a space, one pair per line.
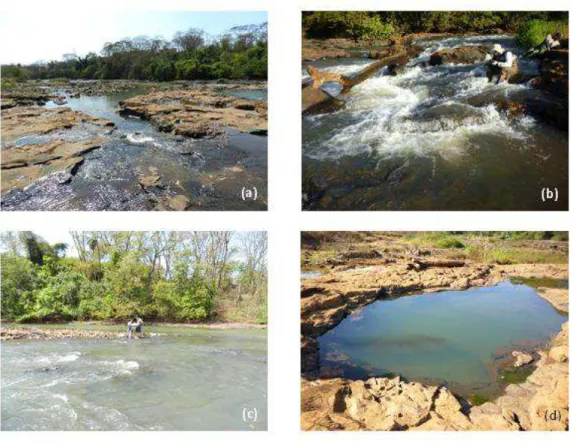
432, 138
203, 170
199, 380
310, 274
247, 94
451, 337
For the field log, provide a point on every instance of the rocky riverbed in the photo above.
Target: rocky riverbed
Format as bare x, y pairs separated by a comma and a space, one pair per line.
168, 146
363, 272
421, 128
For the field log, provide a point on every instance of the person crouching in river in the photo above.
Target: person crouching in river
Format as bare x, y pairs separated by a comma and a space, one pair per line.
501, 64
135, 324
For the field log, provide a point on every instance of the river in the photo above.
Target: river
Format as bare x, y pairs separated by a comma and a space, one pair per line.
461, 339
183, 379
432, 139
200, 169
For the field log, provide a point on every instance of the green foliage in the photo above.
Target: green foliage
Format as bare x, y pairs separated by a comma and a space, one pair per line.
181, 277
381, 25
533, 32
478, 399
19, 282
187, 57
357, 25
516, 375
184, 298
437, 239
15, 72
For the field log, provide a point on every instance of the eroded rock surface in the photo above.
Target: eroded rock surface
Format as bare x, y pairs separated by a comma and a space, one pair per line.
394, 404
26, 162
198, 112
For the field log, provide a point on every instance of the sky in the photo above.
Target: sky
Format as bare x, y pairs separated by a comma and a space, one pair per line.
72, 31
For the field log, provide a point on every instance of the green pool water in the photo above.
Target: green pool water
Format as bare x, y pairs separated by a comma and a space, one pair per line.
455, 338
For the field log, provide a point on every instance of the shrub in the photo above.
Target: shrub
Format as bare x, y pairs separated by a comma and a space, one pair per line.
534, 31
449, 242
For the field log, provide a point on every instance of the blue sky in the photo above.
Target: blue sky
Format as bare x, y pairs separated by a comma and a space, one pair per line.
73, 31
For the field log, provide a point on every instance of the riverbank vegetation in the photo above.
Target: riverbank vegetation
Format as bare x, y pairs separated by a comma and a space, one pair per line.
240, 53
368, 26
493, 247
162, 276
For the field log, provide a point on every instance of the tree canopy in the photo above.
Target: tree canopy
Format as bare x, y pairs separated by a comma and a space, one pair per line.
362, 25
163, 276
240, 53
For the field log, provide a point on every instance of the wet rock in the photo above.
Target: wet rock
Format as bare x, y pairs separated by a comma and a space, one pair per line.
460, 55
554, 72
150, 180
18, 122
396, 69
207, 190
60, 100
521, 358
179, 202
24, 165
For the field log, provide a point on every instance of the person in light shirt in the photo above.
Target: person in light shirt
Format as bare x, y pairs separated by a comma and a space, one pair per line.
501, 64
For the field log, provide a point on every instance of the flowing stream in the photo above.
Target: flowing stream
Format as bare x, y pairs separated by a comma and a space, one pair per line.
455, 338
191, 380
432, 138
202, 169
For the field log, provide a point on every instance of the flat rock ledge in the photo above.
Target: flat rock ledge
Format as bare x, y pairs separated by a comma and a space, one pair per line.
198, 113
394, 404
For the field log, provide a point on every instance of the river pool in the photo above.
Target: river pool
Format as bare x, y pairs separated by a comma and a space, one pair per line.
192, 380
454, 338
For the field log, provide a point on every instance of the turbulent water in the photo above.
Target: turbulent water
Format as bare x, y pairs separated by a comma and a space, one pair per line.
109, 177
432, 138
451, 338
204, 380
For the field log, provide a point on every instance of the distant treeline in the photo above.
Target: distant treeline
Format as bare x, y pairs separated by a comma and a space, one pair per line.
164, 276
192, 55
361, 25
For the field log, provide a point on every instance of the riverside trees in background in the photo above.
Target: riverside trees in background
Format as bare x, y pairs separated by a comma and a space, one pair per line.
362, 25
240, 53
163, 276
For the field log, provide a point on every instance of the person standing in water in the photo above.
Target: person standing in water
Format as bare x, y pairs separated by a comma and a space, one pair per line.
135, 324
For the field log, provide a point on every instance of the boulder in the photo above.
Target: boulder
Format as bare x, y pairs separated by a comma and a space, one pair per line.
559, 353
460, 55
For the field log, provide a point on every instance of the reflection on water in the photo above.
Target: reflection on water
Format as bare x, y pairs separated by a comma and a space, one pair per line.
432, 138
201, 380
246, 94
447, 337
210, 175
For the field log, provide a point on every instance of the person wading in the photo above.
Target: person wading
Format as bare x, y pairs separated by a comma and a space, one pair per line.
135, 325
501, 64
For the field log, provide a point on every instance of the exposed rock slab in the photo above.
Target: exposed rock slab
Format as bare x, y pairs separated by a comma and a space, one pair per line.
197, 112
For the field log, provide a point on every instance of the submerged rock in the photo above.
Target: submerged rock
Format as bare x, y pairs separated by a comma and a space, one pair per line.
179, 202
521, 358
